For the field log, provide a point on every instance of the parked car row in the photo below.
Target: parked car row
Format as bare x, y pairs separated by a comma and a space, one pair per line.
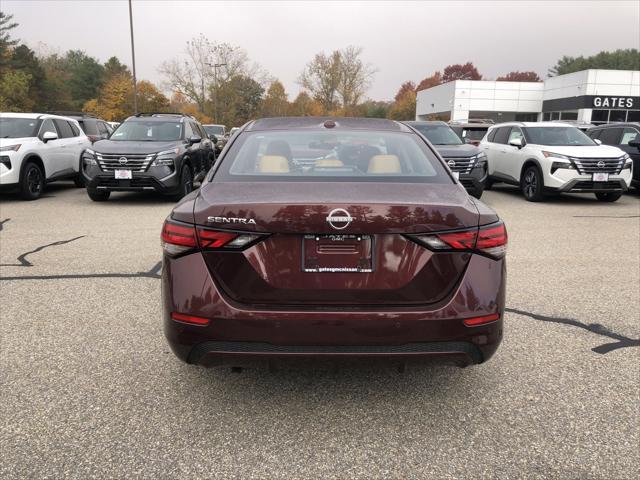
543, 157
161, 152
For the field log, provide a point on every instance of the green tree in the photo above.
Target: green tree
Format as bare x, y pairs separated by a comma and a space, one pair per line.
24, 59
304, 105
621, 59
14, 92
239, 100
6, 42
374, 109
56, 84
113, 67
275, 102
85, 77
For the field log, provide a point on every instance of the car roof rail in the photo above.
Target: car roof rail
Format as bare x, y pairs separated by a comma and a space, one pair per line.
168, 114
69, 113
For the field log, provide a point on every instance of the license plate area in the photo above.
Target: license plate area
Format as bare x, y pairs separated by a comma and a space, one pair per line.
123, 174
600, 177
337, 253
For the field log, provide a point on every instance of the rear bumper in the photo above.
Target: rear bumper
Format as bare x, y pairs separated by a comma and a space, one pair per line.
236, 333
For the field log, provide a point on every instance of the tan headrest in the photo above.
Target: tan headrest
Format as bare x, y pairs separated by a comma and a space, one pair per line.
329, 162
273, 164
384, 164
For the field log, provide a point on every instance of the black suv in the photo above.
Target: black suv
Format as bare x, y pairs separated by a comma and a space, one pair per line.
465, 160
163, 152
625, 136
94, 128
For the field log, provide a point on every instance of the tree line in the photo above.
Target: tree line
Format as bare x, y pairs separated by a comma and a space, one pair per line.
218, 83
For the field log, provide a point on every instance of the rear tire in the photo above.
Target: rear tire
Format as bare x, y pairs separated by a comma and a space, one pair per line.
32, 182
608, 196
186, 183
532, 184
98, 195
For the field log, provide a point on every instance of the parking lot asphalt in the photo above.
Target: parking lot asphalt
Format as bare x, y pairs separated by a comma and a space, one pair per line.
89, 388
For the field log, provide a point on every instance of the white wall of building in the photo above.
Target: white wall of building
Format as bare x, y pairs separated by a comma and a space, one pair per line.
460, 97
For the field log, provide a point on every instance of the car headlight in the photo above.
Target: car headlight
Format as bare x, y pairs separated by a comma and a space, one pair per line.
166, 158
628, 163
89, 157
11, 148
555, 155
480, 160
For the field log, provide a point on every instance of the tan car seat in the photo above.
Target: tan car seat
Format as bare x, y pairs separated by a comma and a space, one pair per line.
273, 164
384, 164
329, 162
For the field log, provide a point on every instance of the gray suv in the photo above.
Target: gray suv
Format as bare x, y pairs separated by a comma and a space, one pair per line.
159, 152
466, 161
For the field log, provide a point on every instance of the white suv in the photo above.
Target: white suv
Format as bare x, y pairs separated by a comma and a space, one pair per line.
548, 157
36, 149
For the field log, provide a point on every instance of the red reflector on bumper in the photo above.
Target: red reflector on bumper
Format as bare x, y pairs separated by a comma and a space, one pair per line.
181, 317
472, 322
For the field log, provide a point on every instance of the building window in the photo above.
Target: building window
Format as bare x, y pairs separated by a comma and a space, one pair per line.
617, 116
633, 116
569, 115
599, 116
546, 116
555, 115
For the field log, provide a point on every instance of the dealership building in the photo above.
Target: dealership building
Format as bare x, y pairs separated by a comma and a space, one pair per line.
591, 96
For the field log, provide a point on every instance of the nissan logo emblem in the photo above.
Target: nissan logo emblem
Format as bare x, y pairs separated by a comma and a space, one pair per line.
122, 160
451, 163
600, 164
339, 218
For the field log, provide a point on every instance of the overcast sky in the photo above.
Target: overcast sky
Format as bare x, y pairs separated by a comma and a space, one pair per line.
403, 40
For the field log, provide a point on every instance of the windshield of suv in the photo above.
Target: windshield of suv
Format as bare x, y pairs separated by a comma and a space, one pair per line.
214, 129
147, 131
18, 127
557, 136
351, 156
439, 134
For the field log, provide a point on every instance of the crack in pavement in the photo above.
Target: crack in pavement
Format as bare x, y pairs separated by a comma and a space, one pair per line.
622, 341
153, 272
23, 257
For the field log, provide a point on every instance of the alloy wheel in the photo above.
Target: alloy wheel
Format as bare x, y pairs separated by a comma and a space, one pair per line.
34, 180
530, 183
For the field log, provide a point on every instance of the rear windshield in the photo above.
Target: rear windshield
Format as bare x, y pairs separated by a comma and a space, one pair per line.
339, 156
474, 133
18, 127
557, 136
439, 134
214, 129
153, 131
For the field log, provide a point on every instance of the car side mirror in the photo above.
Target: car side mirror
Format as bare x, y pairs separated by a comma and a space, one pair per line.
599, 142
516, 142
49, 136
634, 143
194, 139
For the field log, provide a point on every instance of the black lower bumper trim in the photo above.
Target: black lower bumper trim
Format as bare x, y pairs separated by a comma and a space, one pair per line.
588, 186
256, 348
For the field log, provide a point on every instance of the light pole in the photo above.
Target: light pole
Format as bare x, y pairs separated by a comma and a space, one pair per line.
215, 87
133, 58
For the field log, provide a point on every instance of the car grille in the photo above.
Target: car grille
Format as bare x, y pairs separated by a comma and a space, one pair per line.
134, 162
599, 165
462, 164
589, 185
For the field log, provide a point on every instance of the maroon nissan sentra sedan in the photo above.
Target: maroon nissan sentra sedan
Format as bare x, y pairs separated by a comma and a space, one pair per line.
332, 237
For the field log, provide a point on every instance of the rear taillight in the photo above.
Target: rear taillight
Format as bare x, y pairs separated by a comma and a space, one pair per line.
475, 321
489, 240
191, 319
178, 238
